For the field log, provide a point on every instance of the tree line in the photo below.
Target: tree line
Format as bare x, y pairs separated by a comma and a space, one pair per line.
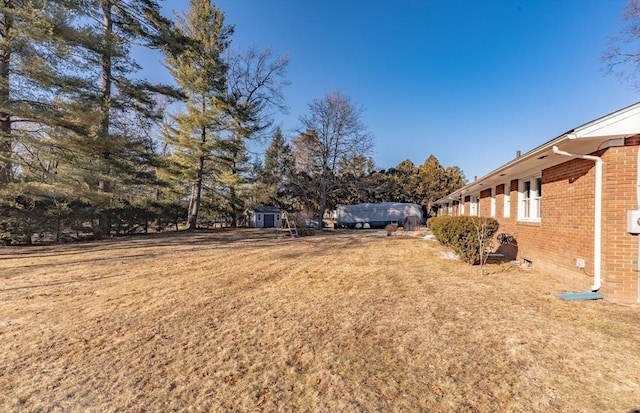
292, 177
89, 148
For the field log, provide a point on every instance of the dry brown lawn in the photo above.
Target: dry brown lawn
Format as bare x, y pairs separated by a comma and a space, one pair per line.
336, 322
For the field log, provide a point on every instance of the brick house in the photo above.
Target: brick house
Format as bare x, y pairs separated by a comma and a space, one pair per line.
573, 205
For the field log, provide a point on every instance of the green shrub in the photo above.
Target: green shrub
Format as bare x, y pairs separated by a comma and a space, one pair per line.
441, 229
469, 237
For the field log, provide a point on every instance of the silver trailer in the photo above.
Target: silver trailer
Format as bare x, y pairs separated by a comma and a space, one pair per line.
376, 215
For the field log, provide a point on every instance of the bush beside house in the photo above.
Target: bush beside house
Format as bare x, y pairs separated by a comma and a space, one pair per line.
469, 237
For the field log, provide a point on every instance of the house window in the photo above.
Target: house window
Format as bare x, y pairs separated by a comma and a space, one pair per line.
259, 217
538, 198
507, 200
493, 202
530, 196
473, 207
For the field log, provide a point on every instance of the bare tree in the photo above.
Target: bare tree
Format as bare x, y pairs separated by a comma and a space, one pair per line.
332, 131
255, 80
622, 56
485, 242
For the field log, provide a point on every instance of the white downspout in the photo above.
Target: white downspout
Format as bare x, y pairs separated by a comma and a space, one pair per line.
597, 230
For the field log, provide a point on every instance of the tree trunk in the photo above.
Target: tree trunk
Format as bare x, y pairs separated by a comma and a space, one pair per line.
104, 184
197, 196
233, 195
322, 204
5, 118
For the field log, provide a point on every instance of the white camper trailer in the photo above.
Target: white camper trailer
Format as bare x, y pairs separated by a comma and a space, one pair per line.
376, 215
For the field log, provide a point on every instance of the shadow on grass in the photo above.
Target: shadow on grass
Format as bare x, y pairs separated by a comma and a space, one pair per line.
90, 260
166, 239
59, 283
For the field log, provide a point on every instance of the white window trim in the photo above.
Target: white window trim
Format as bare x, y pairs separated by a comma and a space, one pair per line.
461, 207
533, 203
506, 213
493, 202
474, 205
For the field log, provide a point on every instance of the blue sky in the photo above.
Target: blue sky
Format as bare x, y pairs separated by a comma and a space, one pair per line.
468, 81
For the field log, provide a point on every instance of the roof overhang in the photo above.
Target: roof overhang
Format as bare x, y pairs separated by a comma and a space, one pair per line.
605, 132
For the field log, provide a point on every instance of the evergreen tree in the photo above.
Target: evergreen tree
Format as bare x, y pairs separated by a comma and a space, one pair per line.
432, 181
436, 181
233, 178
230, 96
68, 96
358, 181
201, 73
272, 183
34, 58
403, 180
455, 178
123, 24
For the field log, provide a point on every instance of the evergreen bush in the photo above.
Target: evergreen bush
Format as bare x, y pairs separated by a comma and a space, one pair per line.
56, 219
469, 237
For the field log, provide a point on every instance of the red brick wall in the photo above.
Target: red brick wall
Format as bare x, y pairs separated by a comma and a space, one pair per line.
485, 203
499, 201
566, 230
619, 248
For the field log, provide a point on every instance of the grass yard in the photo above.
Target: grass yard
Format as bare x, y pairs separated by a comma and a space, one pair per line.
238, 321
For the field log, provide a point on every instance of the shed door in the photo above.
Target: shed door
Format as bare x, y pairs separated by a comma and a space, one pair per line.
268, 220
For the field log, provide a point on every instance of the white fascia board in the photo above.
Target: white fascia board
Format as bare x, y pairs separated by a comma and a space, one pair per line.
624, 122
477, 186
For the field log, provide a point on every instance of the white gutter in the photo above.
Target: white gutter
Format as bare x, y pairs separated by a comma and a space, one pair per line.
597, 230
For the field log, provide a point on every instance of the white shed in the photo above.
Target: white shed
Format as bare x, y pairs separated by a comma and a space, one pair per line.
376, 215
264, 217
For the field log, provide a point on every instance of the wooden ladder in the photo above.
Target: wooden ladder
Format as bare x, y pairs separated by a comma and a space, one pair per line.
288, 226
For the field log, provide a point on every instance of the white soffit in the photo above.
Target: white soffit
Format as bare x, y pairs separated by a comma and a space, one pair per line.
585, 139
622, 123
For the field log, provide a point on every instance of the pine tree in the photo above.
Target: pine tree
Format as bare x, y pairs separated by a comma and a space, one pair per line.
272, 181
68, 98
202, 74
123, 24
436, 181
356, 175
234, 176
229, 98
432, 181
403, 180
34, 56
